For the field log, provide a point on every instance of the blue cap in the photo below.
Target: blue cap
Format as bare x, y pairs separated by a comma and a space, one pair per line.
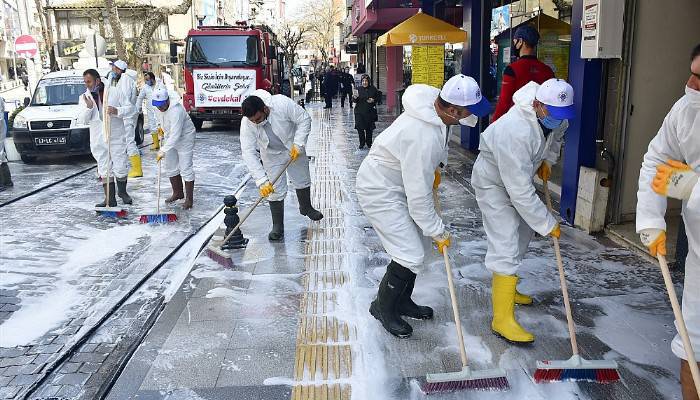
480, 109
527, 33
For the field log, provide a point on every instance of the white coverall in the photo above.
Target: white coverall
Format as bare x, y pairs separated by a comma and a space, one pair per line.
146, 93
511, 151
292, 125
677, 139
395, 181
98, 143
178, 142
3, 131
130, 122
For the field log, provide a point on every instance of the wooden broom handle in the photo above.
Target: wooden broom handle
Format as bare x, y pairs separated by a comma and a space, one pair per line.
682, 330
562, 280
158, 189
107, 133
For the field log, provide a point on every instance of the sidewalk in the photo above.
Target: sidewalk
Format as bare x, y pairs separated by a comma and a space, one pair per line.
290, 320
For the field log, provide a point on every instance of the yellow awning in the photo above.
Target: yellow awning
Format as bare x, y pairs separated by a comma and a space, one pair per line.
422, 29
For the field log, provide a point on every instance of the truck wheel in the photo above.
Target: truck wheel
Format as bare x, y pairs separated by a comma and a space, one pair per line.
27, 159
197, 123
138, 131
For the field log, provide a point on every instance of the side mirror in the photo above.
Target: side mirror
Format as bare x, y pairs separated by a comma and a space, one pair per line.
26, 101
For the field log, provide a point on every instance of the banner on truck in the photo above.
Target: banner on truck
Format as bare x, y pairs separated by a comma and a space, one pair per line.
225, 87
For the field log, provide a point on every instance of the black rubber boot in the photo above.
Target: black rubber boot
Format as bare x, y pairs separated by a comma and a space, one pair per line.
5, 176
407, 307
277, 211
121, 191
385, 306
112, 196
305, 207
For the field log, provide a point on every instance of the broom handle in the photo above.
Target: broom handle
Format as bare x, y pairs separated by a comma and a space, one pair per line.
451, 286
107, 129
562, 280
682, 330
260, 199
158, 190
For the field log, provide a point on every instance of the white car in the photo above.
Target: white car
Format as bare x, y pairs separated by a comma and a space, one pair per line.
49, 125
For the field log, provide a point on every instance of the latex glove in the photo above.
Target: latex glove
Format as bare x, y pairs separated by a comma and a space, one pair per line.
655, 240
674, 179
266, 189
160, 132
556, 232
544, 171
442, 241
160, 156
437, 180
294, 152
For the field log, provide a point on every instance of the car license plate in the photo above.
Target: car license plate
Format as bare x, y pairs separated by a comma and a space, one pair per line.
222, 111
46, 141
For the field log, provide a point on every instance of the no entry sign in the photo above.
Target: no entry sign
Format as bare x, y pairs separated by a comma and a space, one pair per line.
26, 46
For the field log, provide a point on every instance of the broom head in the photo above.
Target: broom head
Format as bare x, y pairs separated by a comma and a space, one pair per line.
466, 379
111, 212
157, 218
220, 256
577, 369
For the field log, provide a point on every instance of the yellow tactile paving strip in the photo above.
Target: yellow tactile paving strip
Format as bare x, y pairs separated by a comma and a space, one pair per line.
323, 364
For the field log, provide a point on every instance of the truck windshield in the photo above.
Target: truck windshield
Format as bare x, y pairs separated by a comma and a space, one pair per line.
222, 50
58, 91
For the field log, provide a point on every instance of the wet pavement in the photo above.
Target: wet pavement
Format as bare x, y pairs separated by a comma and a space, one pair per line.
290, 319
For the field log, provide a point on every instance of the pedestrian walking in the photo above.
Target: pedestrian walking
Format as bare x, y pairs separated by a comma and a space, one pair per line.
177, 147
366, 111
5, 176
347, 85
395, 189
146, 95
132, 150
671, 168
279, 128
525, 141
111, 157
330, 83
527, 68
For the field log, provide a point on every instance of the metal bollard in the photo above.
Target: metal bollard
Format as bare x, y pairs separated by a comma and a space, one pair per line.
236, 241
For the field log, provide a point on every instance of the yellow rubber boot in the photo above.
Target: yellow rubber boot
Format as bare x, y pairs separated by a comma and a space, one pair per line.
156, 142
522, 299
135, 171
503, 299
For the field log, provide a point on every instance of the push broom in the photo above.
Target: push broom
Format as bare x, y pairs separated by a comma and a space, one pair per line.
158, 218
223, 257
107, 211
466, 379
575, 368
682, 330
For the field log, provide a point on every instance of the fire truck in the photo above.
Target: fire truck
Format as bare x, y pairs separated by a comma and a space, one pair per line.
223, 65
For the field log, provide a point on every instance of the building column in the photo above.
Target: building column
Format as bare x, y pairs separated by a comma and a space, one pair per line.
579, 147
472, 50
394, 74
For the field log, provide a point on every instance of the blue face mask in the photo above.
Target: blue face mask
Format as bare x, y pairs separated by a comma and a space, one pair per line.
149, 82
551, 123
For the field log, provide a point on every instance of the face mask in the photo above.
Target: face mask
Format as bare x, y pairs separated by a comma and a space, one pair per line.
149, 82
550, 123
95, 88
469, 121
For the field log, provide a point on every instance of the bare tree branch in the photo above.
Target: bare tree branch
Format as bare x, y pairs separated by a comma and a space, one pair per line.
320, 16
117, 30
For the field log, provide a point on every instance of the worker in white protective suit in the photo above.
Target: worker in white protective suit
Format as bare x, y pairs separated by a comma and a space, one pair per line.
5, 176
671, 168
132, 150
92, 113
177, 147
524, 141
279, 127
146, 95
395, 186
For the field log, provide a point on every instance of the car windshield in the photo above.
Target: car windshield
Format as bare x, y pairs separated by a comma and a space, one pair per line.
58, 91
222, 50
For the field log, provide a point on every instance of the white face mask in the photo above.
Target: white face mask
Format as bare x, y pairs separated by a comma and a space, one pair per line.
469, 121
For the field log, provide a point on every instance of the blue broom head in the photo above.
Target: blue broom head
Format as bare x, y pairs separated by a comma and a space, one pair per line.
158, 218
112, 214
604, 375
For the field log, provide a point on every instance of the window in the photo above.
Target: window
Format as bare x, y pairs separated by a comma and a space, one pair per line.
223, 50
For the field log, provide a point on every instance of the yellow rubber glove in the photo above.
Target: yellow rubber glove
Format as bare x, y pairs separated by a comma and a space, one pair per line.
544, 171
674, 179
266, 189
556, 232
437, 180
160, 156
442, 241
160, 132
655, 240
294, 152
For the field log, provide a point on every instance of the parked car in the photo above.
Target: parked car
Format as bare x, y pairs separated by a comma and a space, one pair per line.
49, 124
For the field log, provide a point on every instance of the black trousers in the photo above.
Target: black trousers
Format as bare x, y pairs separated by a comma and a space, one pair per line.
342, 98
329, 100
365, 137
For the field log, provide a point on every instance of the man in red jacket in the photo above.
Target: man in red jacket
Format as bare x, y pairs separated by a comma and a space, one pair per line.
527, 68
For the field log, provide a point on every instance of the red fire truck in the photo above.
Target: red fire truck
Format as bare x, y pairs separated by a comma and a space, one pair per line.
223, 65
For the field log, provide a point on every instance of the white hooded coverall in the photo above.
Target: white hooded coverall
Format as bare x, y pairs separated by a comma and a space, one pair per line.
178, 142
146, 94
677, 139
511, 151
292, 125
130, 122
395, 181
98, 143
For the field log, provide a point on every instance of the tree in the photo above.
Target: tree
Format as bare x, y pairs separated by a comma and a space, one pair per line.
154, 19
289, 36
321, 17
117, 30
47, 35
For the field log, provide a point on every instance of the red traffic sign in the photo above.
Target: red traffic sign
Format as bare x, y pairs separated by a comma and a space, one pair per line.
26, 46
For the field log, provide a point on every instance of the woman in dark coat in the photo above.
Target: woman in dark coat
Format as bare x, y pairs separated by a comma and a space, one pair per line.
366, 110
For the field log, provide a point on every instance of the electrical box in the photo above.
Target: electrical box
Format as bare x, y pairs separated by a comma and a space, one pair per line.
602, 25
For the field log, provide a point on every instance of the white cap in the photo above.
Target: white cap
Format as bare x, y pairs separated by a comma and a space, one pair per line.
463, 91
160, 96
263, 94
558, 96
121, 64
